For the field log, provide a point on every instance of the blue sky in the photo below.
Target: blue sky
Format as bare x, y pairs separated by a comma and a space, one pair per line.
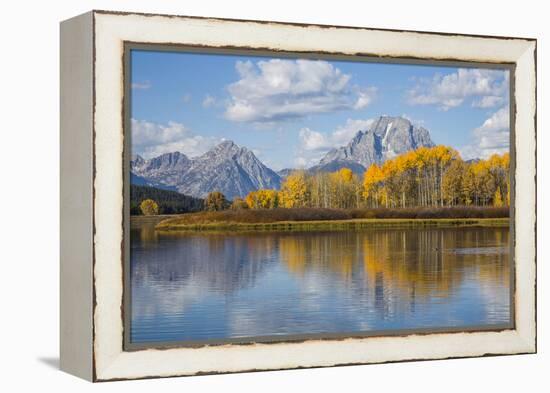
290, 112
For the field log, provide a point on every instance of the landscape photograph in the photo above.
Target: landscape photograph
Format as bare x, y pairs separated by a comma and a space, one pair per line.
283, 198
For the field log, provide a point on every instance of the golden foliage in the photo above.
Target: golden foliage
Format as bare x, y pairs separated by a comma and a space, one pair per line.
426, 177
497, 199
436, 176
149, 207
262, 199
294, 191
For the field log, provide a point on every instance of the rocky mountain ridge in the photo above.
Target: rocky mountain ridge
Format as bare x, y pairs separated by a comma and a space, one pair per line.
235, 171
228, 168
386, 138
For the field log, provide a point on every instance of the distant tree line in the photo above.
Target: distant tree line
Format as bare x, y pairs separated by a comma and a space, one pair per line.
167, 202
438, 176
426, 177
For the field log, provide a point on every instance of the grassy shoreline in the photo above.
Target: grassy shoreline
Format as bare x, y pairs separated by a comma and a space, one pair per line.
136, 221
334, 225
308, 219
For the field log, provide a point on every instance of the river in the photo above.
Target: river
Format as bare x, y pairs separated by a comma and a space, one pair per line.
195, 287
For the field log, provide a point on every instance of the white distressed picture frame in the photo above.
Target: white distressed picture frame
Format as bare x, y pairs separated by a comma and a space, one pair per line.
92, 164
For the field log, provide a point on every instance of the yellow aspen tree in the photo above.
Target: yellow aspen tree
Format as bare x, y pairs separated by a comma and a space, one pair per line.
497, 199
452, 182
266, 199
294, 189
149, 207
371, 184
346, 174
251, 200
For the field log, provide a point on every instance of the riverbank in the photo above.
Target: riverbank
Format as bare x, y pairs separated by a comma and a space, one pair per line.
138, 221
335, 225
332, 219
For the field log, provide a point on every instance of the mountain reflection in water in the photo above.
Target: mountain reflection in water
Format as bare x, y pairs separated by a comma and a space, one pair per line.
220, 286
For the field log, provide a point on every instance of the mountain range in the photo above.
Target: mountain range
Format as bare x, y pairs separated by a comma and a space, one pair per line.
386, 138
235, 171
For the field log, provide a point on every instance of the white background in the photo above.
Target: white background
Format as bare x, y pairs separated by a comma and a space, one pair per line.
29, 197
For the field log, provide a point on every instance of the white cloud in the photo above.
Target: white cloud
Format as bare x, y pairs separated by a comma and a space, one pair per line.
141, 85
344, 133
302, 162
365, 97
493, 136
313, 140
275, 90
312, 147
488, 102
152, 139
208, 101
487, 88
314, 144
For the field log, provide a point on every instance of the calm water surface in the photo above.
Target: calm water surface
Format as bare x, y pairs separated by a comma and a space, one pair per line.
199, 286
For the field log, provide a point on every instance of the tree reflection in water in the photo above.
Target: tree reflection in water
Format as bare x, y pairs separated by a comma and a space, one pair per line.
194, 286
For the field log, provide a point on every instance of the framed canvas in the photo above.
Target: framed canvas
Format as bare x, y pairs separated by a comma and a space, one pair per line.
247, 195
